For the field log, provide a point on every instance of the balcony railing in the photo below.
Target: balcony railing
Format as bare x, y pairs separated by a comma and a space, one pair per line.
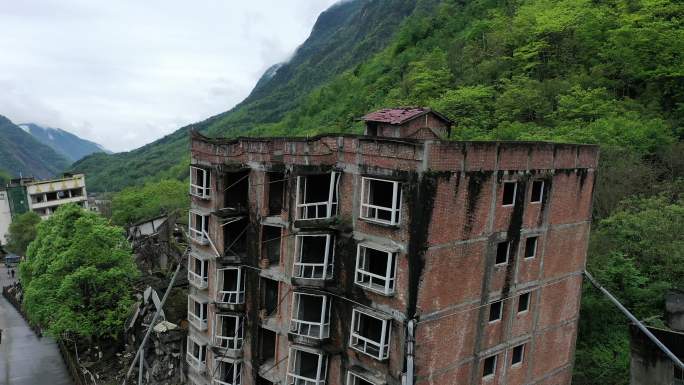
310, 329
196, 321
230, 297
311, 270
197, 280
195, 363
301, 380
316, 210
199, 236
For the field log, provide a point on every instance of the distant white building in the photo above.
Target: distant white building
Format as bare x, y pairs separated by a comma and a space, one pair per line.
5, 216
46, 196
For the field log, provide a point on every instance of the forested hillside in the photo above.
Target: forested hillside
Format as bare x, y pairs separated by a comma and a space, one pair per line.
609, 72
22, 153
65, 143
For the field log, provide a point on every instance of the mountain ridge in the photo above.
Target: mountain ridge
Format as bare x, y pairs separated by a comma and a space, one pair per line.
64, 142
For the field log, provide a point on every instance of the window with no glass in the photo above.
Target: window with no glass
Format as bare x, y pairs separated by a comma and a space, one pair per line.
530, 247
356, 379
523, 302
518, 354
375, 269
489, 367
503, 249
509, 190
537, 191
495, 310
370, 334
380, 200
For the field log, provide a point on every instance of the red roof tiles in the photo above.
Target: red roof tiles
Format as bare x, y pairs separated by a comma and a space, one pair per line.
399, 115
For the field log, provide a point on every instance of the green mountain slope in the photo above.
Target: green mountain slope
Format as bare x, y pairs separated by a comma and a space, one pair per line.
344, 36
65, 143
22, 153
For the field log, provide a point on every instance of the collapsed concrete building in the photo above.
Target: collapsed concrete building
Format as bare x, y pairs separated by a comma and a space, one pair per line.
394, 257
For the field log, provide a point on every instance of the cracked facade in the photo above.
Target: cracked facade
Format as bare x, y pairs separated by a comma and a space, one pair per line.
388, 258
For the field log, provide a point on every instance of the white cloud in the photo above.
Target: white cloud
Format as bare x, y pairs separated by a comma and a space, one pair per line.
124, 73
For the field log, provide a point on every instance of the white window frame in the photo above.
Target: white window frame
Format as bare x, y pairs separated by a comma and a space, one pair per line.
198, 321
200, 235
493, 374
227, 342
230, 297
515, 192
541, 194
202, 190
536, 245
353, 378
197, 363
295, 379
522, 355
529, 300
318, 330
237, 372
328, 207
501, 311
201, 280
366, 279
508, 253
307, 270
365, 344
367, 208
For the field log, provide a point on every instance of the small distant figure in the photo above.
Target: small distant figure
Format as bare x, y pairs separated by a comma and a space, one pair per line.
12, 273
0, 336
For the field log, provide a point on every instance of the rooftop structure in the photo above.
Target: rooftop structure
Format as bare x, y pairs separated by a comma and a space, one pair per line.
390, 258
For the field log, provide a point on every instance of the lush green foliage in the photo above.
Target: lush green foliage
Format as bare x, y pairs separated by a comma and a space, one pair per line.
638, 254
78, 275
4, 178
22, 231
134, 204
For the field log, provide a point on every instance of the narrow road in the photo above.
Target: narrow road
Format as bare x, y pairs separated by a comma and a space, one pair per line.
24, 358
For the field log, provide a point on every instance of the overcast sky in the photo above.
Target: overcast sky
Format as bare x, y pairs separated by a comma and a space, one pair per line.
126, 72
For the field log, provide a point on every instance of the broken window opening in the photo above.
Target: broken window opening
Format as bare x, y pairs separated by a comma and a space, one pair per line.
537, 191
509, 191
276, 192
381, 201
51, 196
489, 366
370, 335
231, 286
495, 311
235, 237
196, 355
270, 243
269, 295
267, 344
356, 379
523, 302
199, 227
518, 355
530, 247
236, 190
314, 256
198, 271
310, 315
263, 381
375, 269
317, 196
76, 192
228, 331
503, 250
200, 182
306, 367
227, 372
197, 312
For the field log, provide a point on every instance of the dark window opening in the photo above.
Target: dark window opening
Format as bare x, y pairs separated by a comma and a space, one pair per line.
509, 193
537, 191
51, 196
502, 250
77, 192
489, 367
307, 366
267, 344
276, 192
235, 238
523, 302
372, 129
317, 188
310, 308
530, 247
313, 249
314, 256
269, 295
236, 190
495, 310
517, 357
270, 243
317, 196
263, 381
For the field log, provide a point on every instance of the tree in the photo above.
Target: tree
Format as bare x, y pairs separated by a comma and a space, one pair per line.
134, 204
78, 275
22, 232
4, 178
